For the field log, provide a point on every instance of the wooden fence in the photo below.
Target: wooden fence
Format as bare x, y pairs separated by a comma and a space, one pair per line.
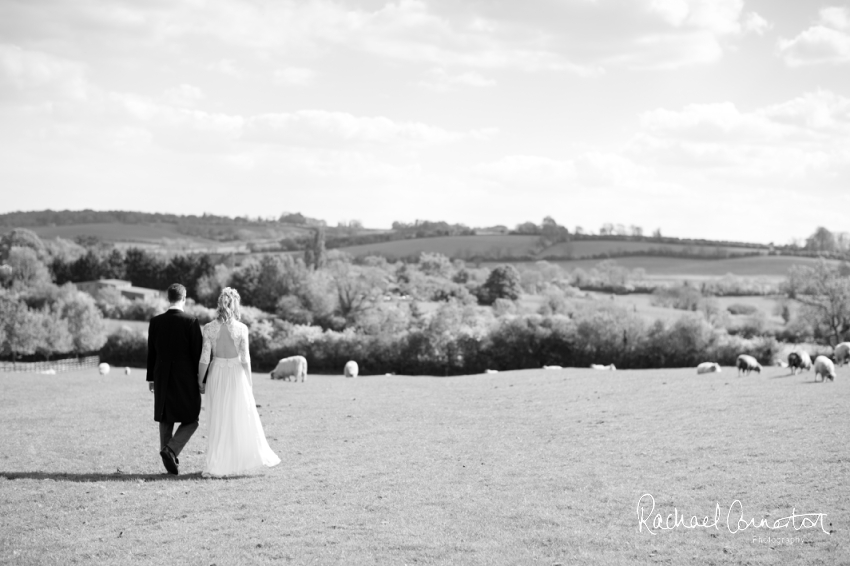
58, 366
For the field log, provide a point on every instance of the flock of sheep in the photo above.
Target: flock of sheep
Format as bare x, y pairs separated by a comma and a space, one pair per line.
295, 367
797, 361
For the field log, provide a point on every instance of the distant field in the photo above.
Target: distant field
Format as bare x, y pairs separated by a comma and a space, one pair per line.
514, 246
770, 267
583, 248
453, 246
114, 232
540, 467
113, 324
642, 305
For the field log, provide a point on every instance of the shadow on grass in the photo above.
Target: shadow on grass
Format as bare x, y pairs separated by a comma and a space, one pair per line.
792, 374
61, 476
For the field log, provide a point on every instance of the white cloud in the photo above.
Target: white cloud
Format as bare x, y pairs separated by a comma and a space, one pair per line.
805, 137
225, 67
34, 71
183, 95
440, 80
836, 17
754, 23
717, 16
525, 170
320, 127
828, 41
297, 76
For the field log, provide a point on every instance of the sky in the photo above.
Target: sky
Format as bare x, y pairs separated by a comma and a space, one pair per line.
721, 119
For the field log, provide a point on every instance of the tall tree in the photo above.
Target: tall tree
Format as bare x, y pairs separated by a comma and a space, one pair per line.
504, 282
85, 323
821, 241
23, 331
825, 294
315, 255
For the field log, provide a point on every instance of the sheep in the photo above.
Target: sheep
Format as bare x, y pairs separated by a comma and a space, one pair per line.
799, 361
126, 371
552, 367
50, 371
103, 368
491, 371
825, 368
708, 367
842, 353
351, 369
290, 369
782, 364
747, 364
610, 367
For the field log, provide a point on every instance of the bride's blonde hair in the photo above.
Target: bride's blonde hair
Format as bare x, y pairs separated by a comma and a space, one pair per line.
228, 305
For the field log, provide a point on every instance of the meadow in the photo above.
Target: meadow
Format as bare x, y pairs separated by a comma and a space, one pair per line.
527, 467
773, 268
495, 246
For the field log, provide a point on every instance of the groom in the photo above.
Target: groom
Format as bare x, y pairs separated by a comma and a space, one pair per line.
174, 350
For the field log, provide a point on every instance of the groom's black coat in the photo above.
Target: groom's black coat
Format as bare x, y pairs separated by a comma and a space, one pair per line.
174, 350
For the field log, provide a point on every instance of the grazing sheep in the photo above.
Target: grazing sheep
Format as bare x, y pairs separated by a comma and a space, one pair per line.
610, 367
825, 368
290, 369
491, 371
351, 369
708, 367
782, 364
50, 371
799, 361
103, 369
842, 353
126, 371
747, 364
552, 367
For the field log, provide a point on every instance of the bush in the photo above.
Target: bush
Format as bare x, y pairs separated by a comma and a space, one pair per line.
126, 347
739, 308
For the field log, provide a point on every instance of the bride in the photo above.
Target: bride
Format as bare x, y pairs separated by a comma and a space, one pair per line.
236, 441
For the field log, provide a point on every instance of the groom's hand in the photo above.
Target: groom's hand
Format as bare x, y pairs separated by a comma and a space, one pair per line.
150, 386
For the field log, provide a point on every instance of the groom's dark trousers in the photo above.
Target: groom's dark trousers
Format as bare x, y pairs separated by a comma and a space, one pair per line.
174, 350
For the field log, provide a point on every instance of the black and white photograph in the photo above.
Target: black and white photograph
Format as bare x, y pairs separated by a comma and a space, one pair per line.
424, 282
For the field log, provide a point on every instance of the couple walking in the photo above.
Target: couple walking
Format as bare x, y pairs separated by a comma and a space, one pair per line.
179, 354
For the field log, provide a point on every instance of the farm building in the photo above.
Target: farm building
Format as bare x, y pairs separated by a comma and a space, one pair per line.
124, 287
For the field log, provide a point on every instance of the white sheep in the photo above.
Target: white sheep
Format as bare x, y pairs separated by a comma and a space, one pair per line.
708, 367
747, 364
351, 369
609, 367
799, 361
290, 369
126, 371
491, 371
103, 369
825, 368
842, 353
552, 367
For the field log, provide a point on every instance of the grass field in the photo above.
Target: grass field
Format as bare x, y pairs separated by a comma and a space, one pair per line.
772, 268
531, 467
514, 246
581, 248
115, 231
114, 324
453, 246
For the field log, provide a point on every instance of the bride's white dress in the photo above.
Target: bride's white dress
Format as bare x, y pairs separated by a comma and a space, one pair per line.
236, 442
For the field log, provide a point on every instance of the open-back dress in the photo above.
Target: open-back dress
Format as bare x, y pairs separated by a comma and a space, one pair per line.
236, 442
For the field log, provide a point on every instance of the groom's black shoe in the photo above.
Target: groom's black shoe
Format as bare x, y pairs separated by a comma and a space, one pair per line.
169, 460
